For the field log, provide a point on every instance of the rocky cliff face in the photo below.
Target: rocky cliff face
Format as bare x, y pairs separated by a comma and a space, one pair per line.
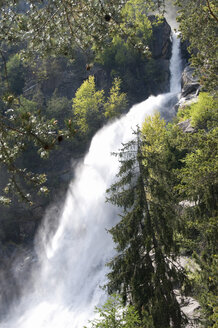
190, 90
190, 83
161, 47
157, 66
161, 44
150, 76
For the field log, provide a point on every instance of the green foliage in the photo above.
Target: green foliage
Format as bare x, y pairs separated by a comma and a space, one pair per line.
26, 105
198, 185
29, 127
87, 107
116, 102
199, 174
114, 315
123, 61
206, 288
161, 169
90, 106
135, 35
135, 19
36, 29
119, 55
198, 24
16, 74
144, 268
140, 74
154, 128
203, 113
58, 107
20, 127
151, 193
61, 26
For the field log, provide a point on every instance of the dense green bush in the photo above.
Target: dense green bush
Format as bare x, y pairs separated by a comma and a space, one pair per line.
203, 113
16, 74
114, 315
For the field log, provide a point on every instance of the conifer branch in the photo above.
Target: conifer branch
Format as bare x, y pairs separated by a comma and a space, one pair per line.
210, 10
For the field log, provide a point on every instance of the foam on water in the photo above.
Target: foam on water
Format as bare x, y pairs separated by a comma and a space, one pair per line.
64, 286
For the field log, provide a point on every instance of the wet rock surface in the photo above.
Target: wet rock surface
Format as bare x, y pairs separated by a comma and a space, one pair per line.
186, 126
161, 45
190, 83
184, 52
190, 91
161, 49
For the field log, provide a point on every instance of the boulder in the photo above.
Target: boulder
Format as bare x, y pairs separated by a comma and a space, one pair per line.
190, 83
186, 126
190, 308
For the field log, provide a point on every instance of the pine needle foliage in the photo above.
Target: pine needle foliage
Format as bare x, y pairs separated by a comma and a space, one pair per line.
145, 271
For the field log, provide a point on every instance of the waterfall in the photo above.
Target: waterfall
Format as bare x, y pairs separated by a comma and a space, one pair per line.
175, 65
65, 285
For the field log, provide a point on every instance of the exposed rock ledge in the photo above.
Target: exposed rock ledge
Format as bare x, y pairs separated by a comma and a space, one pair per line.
190, 83
186, 126
190, 91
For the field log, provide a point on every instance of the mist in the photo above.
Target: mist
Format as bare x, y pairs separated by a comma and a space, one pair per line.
171, 14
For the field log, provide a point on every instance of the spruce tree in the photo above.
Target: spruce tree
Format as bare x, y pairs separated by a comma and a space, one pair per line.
145, 270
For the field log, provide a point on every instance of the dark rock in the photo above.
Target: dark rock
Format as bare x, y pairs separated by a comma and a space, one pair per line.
188, 76
184, 52
161, 49
190, 82
190, 89
101, 77
161, 45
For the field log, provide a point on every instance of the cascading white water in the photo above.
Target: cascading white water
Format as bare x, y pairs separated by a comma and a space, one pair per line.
64, 289
175, 65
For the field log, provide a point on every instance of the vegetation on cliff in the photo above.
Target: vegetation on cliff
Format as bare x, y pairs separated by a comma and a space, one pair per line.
167, 183
34, 36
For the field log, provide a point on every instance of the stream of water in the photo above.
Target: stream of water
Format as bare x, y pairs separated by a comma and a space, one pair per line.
64, 286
